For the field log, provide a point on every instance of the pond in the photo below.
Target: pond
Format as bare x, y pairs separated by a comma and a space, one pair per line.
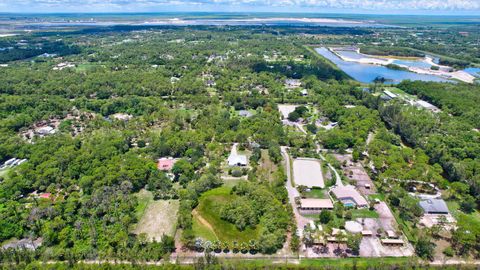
474, 71
367, 73
413, 63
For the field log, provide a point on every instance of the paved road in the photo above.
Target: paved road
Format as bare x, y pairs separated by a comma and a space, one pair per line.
338, 181
300, 127
292, 191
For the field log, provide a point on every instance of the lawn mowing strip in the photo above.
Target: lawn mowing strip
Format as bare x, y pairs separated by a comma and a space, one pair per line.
219, 263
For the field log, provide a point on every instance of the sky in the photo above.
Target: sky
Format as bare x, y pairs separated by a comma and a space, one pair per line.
430, 7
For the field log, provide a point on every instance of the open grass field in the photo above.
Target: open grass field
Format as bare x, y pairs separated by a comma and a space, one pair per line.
357, 263
232, 182
378, 196
266, 168
84, 67
144, 197
4, 172
208, 210
202, 228
401, 93
317, 193
155, 217
364, 213
469, 220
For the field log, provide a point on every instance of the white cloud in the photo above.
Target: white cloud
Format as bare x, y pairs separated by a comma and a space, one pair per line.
115, 5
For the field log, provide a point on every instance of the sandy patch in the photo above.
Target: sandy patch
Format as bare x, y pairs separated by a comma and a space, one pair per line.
308, 172
159, 218
286, 109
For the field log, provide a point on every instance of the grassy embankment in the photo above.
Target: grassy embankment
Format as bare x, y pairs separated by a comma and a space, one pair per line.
209, 208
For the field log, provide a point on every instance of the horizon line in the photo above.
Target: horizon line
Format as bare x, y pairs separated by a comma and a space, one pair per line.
238, 12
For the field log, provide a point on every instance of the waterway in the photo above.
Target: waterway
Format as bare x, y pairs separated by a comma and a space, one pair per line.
367, 73
474, 71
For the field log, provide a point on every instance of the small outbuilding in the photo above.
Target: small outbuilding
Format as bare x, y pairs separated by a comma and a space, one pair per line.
391, 234
245, 113
392, 242
46, 130
367, 233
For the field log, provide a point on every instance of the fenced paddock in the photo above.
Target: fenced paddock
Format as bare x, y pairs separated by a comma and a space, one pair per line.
308, 172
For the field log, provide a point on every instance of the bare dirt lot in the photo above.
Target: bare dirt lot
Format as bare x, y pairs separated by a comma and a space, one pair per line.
371, 245
308, 172
356, 172
159, 218
286, 109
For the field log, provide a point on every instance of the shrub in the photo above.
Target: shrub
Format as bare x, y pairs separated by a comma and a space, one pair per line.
449, 252
237, 173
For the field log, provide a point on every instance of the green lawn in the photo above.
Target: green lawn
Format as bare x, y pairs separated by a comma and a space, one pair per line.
358, 263
379, 196
364, 213
86, 67
144, 197
405, 226
4, 172
203, 231
316, 193
326, 263
209, 207
232, 182
468, 220
400, 92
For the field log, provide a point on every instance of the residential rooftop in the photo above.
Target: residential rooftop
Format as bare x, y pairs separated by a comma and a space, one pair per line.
434, 206
315, 204
348, 194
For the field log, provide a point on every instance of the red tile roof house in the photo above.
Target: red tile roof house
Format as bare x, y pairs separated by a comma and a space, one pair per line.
165, 164
45, 195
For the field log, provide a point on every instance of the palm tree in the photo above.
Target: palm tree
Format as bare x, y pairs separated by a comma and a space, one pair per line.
244, 247
253, 246
235, 246
217, 245
207, 245
225, 247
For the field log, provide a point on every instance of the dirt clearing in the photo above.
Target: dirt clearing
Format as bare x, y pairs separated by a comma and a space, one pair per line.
308, 172
160, 217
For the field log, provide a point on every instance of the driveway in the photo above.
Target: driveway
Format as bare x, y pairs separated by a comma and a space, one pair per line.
292, 191
338, 181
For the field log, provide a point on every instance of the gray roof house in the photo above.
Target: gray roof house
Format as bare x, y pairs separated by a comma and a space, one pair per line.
237, 160
434, 206
245, 113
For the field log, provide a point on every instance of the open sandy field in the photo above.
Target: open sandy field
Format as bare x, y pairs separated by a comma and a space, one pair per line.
160, 217
286, 109
308, 172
